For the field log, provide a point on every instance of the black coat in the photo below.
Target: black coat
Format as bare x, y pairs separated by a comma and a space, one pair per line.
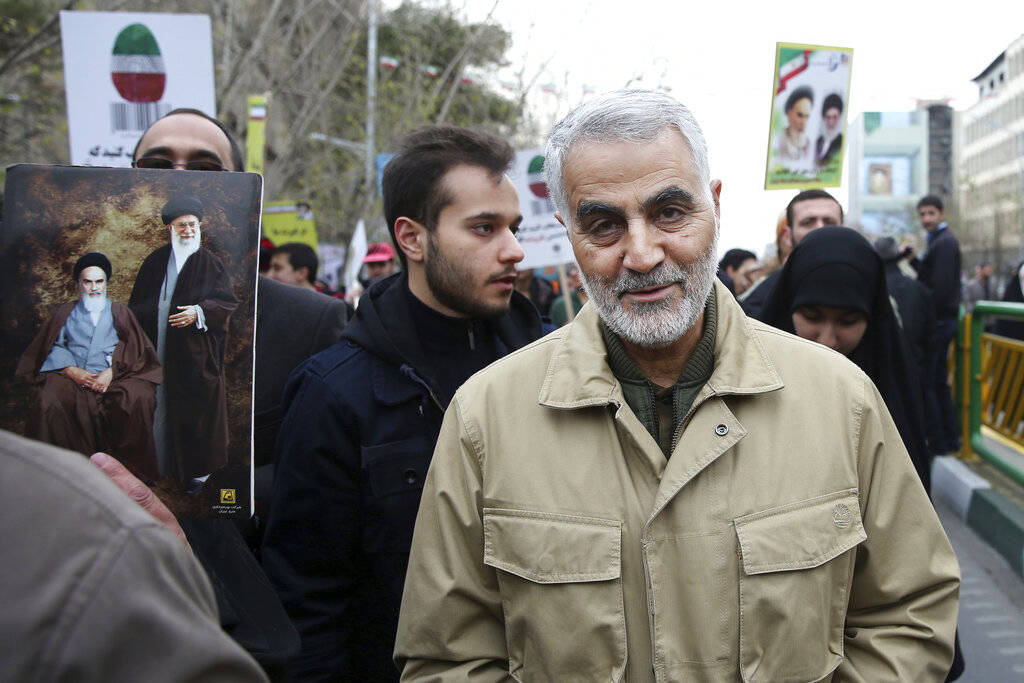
939, 271
917, 315
358, 434
197, 415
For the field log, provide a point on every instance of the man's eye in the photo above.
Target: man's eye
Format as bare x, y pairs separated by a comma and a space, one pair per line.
670, 213
483, 228
602, 228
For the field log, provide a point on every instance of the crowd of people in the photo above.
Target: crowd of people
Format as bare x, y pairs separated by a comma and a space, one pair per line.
659, 474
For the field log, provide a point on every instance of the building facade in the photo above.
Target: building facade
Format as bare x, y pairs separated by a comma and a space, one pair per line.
888, 170
991, 185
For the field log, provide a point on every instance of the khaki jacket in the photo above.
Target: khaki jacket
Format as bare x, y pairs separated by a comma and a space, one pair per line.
788, 538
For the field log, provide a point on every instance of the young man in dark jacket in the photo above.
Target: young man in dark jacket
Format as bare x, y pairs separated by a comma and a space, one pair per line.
363, 416
939, 270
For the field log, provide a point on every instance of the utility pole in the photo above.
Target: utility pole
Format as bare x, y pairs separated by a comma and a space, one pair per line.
371, 102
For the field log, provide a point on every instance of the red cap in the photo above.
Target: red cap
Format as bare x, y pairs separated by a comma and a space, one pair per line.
378, 252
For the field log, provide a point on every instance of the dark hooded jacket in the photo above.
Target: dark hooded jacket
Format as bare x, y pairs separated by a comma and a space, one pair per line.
837, 267
361, 421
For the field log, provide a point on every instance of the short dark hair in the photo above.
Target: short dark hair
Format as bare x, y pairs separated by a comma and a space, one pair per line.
833, 101
804, 196
412, 179
930, 200
734, 258
300, 256
797, 95
237, 160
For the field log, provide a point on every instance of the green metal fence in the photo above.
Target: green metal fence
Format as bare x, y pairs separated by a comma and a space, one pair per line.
992, 385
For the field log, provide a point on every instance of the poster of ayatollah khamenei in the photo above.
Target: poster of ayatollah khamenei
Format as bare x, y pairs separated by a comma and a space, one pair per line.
808, 117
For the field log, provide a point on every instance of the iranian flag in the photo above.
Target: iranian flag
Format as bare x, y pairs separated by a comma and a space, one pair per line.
430, 71
535, 177
388, 62
136, 66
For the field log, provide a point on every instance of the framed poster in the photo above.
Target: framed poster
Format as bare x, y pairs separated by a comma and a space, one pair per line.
127, 308
806, 137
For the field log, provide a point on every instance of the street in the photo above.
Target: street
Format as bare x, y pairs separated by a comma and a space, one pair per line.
991, 607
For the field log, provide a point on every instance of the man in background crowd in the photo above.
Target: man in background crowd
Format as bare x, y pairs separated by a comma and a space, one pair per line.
577, 297
939, 270
379, 260
807, 211
295, 263
979, 287
538, 290
738, 270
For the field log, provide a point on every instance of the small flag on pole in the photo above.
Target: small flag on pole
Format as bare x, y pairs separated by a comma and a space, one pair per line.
430, 71
389, 63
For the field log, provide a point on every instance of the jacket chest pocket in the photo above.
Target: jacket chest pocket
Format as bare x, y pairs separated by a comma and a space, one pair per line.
561, 589
794, 586
394, 474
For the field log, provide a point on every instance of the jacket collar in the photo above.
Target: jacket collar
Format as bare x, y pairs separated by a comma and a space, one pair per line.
578, 374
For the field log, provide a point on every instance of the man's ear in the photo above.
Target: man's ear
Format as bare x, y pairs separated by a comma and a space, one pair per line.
716, 194
305, 273
411, 238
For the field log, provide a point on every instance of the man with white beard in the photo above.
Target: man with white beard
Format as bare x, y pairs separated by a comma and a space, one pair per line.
95, 374
665, 489
183, 299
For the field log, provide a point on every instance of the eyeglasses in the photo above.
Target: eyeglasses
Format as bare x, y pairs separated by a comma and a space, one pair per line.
164, 163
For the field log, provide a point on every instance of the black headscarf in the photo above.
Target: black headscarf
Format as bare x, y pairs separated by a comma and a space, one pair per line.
1005, 326
837, 267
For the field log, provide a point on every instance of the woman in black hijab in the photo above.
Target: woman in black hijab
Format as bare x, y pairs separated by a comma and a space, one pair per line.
1005, 326
832, 290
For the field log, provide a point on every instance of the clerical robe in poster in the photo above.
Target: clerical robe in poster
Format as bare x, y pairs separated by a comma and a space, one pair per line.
192, 423
119, 420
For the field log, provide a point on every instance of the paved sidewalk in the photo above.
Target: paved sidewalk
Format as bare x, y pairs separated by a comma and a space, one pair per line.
988, 501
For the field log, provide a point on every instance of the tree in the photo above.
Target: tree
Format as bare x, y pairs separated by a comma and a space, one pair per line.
310, 55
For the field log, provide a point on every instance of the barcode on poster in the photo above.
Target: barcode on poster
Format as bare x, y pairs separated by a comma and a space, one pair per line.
542, 206
135, 116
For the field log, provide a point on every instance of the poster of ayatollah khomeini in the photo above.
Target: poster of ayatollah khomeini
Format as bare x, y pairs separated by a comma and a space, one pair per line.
127, 301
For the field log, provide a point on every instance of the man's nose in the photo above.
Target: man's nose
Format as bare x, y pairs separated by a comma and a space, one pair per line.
510, 251
643, 250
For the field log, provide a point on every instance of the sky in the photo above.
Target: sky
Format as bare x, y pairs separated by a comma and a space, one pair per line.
718, 59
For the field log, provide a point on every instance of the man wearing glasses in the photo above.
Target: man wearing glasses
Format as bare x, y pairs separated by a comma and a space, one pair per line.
188, 139
183, 300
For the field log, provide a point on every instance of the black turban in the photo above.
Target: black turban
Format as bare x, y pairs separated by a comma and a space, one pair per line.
182, 205
93, 258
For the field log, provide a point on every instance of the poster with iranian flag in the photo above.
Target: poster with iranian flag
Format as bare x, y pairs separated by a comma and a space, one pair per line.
806, 138
542, 237
124, 70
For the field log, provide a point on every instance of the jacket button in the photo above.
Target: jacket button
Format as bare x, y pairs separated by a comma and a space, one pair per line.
410, 476
722, 429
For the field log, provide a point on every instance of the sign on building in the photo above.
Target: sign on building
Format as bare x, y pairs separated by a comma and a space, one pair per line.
542, 237
808, 117
124, 70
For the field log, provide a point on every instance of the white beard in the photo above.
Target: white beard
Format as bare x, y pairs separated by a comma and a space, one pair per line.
184, 248
95, 304
660, 323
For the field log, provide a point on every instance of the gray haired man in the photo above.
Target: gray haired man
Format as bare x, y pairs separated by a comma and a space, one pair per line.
665, 489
